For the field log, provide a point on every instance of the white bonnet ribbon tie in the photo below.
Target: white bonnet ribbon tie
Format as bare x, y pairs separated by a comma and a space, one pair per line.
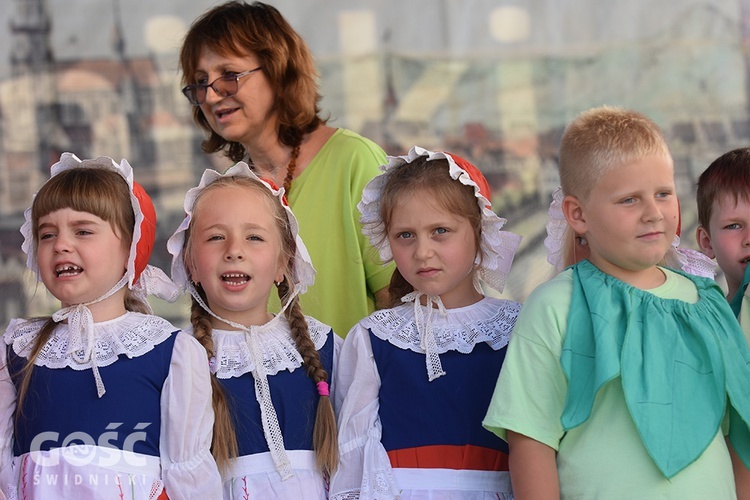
153, 281
271, 428
427, 339
270, 421
82, 339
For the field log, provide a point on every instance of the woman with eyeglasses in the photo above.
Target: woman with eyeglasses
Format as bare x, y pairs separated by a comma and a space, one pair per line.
252, 81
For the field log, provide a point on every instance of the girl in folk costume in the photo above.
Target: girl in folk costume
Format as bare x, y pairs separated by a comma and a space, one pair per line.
275, 432
103, 399
405, 431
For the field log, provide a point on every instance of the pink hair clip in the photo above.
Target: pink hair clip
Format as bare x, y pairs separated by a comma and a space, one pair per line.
323, 388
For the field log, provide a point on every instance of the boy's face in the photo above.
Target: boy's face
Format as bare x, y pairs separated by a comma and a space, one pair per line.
727, 238
630, 220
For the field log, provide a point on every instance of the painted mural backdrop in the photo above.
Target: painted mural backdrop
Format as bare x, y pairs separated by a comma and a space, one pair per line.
492, 80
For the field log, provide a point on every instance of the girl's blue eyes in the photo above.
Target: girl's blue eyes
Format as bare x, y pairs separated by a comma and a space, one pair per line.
220, 237
409, 234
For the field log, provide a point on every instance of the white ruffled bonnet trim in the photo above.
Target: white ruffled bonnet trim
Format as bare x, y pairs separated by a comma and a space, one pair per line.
556, 228
497, 247
689, 260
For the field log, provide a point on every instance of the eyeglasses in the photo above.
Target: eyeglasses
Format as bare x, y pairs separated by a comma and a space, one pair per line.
224, 86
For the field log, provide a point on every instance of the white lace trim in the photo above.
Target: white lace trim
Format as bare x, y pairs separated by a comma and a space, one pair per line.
232, 348
556, 228
490, 320
377, 474
133, 334
689, 260
353, 494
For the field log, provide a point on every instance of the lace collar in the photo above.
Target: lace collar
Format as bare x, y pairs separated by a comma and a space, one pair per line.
133, 334
490, 320
232, 348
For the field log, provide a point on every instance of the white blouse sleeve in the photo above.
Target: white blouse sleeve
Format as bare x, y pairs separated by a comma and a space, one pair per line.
7, 407
364, 469
187, 418
338, 342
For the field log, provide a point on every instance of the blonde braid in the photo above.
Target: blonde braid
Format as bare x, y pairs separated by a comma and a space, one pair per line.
224, 445
325, 435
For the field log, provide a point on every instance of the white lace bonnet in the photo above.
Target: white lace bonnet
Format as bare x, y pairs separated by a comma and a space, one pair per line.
303, 271
141, 277
497, 247
689, 260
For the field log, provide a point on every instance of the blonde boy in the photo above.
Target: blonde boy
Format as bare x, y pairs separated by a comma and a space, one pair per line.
613, 385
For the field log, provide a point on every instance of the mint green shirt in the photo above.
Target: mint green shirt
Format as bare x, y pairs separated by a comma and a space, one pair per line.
324, 199
604, 455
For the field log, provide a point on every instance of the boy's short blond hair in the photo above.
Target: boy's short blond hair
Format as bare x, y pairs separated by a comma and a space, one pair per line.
603, 138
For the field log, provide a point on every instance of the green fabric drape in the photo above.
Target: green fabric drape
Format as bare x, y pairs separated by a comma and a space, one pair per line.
679, 364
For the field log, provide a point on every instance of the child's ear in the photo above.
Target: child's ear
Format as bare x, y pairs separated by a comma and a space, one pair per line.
573, 211
282, 269
704, 242
191, 271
